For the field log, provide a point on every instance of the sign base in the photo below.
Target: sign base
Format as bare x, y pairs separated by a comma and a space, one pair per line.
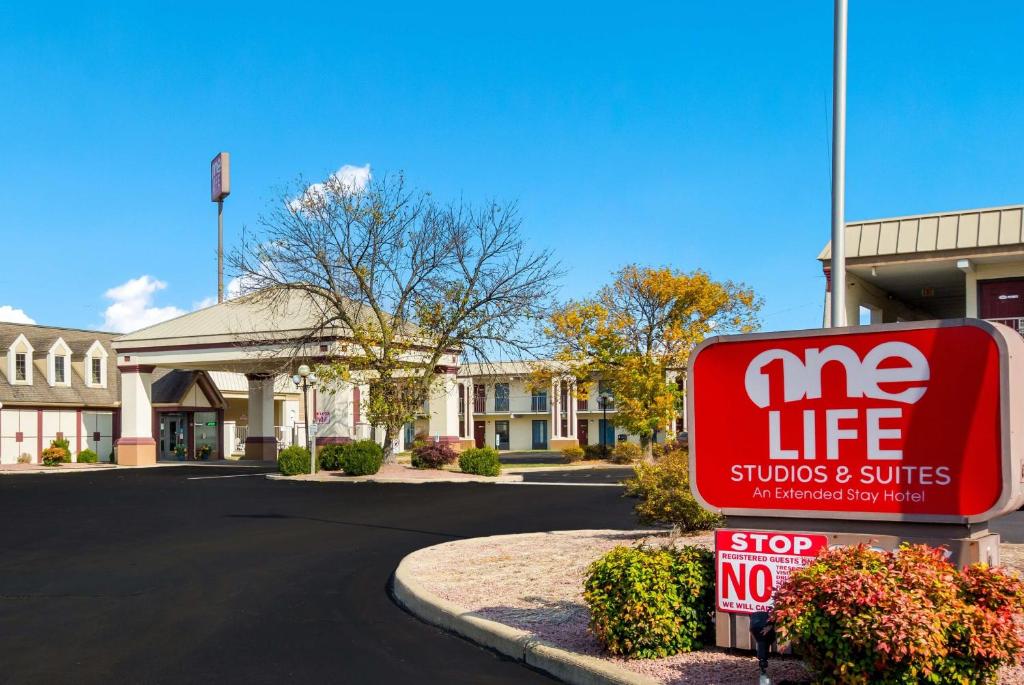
732, 631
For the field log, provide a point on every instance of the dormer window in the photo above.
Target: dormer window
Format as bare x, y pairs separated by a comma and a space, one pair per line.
19, 362
96, 366
58, 364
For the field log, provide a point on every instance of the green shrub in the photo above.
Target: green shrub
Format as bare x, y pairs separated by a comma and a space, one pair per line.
573, 454
87, 457
293, 460
433, 455
54, 456
482, 461
650, 603
362, 458
663, 489
626, 453
596, 451
65, 445
858, 615
330, 457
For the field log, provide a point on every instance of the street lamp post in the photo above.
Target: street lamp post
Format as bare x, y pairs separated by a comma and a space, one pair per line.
302, 380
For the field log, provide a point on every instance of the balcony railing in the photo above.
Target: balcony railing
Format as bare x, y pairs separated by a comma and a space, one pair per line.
539, 403
1016, 323
479, 405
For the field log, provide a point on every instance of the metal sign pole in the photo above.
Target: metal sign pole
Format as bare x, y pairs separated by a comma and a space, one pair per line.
220, 251
838, 301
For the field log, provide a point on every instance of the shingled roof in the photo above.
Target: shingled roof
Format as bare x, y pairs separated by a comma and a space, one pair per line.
42, 338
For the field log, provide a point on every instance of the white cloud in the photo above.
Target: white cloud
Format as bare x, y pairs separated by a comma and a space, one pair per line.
132, 305
353, 178
13, 315
350, 178
232, 290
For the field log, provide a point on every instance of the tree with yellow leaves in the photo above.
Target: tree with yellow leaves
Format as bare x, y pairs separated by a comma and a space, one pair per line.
637, 334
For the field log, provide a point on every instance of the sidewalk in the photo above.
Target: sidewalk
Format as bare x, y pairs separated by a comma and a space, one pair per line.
400, 473
18, 469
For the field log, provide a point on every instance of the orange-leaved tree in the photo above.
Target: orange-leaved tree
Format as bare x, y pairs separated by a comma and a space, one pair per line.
636, 335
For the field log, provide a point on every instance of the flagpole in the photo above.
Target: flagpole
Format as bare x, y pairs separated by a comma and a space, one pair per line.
839, 166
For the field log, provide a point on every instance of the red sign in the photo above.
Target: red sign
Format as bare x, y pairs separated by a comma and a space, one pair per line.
220, 177
752, 564
906, 422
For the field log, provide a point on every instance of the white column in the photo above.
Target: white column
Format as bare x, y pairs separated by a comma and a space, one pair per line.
136, 446
555, 397
443, 406
570, 409
470, 399
260, 441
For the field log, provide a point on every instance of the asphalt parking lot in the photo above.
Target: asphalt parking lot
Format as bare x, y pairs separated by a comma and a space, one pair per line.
176, 575
200, 574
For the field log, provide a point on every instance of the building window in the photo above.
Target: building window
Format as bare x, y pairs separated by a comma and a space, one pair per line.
20, 367
96, 366
539, 400
501, 397
59, 376
582, 400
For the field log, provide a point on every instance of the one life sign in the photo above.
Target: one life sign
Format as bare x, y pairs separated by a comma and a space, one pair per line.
752, 564
899, 422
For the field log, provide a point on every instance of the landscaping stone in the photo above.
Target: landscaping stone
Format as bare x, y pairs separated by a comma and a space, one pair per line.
534, 583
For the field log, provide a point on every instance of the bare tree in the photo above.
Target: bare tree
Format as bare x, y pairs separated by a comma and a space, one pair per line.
404, 280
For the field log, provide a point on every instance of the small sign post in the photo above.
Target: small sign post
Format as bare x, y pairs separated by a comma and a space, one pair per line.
751, 565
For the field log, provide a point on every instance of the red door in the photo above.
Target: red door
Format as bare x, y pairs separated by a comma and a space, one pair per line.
1001, 300
581, 432
479, 433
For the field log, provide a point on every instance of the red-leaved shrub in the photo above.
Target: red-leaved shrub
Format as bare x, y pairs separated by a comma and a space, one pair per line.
433, 455
858, 615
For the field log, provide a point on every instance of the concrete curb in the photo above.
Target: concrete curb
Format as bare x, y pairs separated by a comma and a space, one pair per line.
576, 669
511, 468
403, 481
50, 470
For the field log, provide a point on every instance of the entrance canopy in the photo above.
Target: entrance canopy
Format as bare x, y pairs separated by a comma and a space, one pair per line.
245, 335
263, 335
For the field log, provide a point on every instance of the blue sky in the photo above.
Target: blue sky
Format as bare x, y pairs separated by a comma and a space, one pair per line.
688, 134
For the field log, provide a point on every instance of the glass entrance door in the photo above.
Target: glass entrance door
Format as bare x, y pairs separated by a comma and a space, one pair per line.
206, 433
173, 436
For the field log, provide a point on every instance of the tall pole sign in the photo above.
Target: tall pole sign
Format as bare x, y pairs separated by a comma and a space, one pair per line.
838, 275
220, 188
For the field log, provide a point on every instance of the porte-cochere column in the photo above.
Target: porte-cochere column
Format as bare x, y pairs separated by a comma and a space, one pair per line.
136, 446
260, 440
